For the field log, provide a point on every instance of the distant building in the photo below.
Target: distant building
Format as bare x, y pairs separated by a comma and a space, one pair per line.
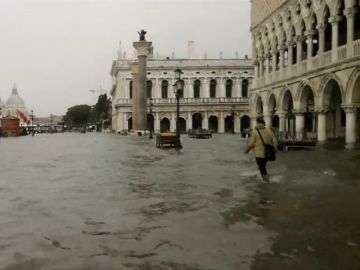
215, 96
15, 107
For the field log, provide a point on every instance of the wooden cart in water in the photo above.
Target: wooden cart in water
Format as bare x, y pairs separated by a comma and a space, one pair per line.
167, 139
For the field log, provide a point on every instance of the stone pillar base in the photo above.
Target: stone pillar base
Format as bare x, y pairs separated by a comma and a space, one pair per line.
350, 146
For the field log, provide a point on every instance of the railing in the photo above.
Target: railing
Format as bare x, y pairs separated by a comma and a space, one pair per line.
356, 46
342, 52
158, 101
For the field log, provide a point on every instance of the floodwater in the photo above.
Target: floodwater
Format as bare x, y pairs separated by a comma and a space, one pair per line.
100, 201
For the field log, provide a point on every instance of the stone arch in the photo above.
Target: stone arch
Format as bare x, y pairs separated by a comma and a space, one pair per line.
213, 123
353, 87
164, 124
259, 107
299, 90
197, 121
271, 104
323, 94
286, 99
306, 99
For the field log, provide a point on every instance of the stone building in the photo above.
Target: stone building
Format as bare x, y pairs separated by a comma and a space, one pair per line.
307, 73
215, 95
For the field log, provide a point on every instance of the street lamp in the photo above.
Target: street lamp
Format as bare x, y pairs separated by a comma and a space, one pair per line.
32, 123
150, 120
177, 87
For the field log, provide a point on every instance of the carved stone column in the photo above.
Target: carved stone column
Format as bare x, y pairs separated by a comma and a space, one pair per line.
350, 15
281, 60
351, 120
299, 125
205, 121
335, 36
140, 105
135, 92
321, 126
299, 41
290, 53
221, 123
189, 121
321, 31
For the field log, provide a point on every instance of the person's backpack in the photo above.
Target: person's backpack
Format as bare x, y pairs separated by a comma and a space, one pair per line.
270, 152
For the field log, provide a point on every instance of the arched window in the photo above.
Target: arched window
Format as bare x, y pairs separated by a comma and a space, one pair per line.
328, 30
149, 89
213, 88
244, 88
131, 89
342, 24
164, 89
197, 85
229, 86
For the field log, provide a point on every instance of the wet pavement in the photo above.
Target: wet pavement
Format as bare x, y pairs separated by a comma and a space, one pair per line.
98, 201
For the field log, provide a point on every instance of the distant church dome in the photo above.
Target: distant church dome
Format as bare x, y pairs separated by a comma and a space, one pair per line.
15, 100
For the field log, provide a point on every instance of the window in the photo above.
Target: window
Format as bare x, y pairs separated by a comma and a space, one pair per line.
164, 89
228, 85
131, 89
244, 88
197, 85
149, 89
213, 88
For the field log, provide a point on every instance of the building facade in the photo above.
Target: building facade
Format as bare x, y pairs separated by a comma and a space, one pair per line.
215, 95
307, 67
15, 107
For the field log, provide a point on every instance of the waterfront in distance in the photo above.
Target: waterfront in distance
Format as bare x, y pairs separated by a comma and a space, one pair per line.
102, 201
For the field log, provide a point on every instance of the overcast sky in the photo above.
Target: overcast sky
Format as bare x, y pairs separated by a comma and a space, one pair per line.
55, 51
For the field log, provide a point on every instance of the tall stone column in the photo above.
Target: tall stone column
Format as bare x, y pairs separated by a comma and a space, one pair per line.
189, 121
173, 122
274, 61
237, 123
310, 46
281, 60
140, 106
290, 53
321, 31
157, 88
335, 36
299, 125
282, 124
350, 15
268, 120
205, 89
205, 121
157, 123
299, 48
256, 69
351, 119
222, 88
321, 126
187, 90
221, 123
267, 65
135, 93
261, 67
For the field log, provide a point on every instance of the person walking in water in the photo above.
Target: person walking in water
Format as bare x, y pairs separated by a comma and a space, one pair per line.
259, 137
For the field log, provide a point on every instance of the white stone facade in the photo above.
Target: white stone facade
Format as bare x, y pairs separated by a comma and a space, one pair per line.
215, 95
307, 76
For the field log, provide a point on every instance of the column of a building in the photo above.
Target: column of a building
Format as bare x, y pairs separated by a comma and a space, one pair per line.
351, 120
188, 86
321, 126
267, 64
268, 120
299, 125
261, 67
350, 15
222, 88
135, 92
171, 93
309, 49
299, 47
157, 89
256, 69
205, 88
157, 123
335, 37
237, 123
189, 121
126, 122
281, 60
173, 122
221, 123
321, 31
274, 60
282, 124
290, 53
205, 121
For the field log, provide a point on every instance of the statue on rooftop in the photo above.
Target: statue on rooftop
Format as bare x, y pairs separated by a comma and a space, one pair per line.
142, 34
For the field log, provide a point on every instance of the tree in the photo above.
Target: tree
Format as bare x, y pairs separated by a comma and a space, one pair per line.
101, 112
78, 115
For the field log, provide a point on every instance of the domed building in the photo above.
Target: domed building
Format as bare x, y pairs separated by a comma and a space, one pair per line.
15, 106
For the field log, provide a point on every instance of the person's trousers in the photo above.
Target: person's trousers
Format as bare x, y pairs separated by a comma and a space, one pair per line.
261, 162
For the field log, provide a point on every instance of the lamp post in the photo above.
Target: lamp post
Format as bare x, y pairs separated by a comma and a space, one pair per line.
178, 86
151, 122
32, 123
